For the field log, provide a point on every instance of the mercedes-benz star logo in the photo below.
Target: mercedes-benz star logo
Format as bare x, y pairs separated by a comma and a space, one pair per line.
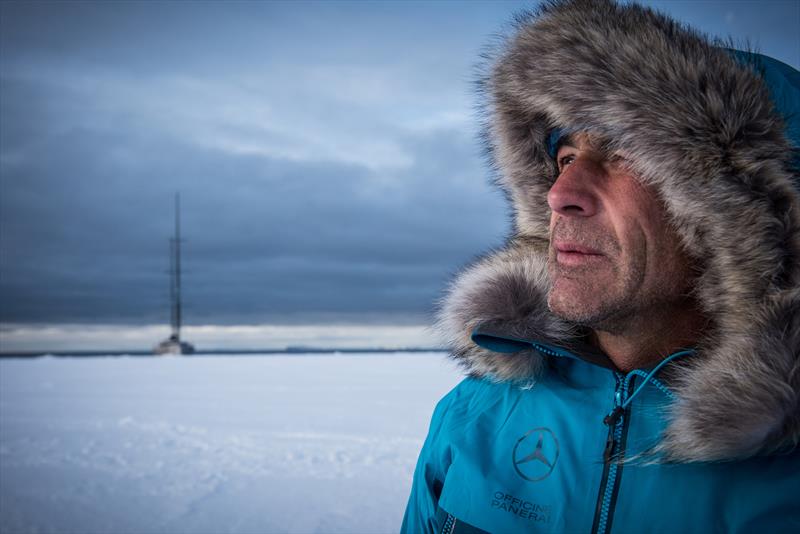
535, 463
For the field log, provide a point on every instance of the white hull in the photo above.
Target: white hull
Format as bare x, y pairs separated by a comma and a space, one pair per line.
170, 346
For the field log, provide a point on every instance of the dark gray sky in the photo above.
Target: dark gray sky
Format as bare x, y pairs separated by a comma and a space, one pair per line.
325, 154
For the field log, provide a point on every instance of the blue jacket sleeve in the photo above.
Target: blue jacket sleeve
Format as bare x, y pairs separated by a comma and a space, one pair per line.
434, 459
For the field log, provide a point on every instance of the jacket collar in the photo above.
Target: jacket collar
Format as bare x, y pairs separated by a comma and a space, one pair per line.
576, 348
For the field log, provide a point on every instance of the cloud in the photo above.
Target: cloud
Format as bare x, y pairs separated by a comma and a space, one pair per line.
327, 159
87, 213
235, 118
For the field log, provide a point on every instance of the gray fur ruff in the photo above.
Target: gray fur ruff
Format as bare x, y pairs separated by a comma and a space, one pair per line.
701, 129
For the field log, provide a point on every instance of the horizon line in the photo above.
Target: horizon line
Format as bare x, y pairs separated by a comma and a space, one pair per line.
210, 352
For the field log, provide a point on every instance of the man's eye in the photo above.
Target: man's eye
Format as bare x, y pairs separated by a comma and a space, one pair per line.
563, 161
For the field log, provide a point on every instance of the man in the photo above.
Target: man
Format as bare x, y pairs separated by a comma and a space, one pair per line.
634, 351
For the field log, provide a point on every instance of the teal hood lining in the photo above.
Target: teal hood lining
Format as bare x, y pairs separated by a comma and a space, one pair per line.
510, 345
575, 349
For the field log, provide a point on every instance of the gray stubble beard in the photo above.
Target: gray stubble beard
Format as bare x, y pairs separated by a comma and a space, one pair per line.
621, 310
613, 313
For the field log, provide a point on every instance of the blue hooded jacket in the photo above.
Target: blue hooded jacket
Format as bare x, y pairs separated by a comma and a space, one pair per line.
546, 435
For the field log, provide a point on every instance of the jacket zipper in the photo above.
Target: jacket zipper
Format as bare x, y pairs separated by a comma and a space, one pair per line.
449, 524
613, 453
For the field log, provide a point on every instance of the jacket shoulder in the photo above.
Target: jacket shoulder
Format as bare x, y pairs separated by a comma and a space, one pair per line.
467, 401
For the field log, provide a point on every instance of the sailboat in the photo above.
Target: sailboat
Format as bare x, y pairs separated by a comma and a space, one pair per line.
173, 344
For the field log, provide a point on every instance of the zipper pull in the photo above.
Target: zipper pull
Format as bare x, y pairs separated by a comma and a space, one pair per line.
611, 418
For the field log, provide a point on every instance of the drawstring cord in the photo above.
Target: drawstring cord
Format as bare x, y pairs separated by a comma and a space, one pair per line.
654, 381
612, 417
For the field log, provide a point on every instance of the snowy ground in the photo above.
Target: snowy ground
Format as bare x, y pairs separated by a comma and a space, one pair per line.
213, 444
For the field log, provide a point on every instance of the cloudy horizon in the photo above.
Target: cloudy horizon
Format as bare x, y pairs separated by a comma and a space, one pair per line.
326, 154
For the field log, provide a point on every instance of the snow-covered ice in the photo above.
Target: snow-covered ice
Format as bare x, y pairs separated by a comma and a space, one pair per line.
213, 444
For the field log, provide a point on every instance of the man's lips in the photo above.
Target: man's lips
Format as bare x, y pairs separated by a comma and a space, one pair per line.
575, 253
565, 246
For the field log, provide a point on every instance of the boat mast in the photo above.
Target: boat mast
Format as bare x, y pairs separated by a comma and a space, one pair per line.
175, 286
173, 344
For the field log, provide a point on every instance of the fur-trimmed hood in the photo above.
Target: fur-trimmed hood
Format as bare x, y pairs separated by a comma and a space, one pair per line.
712, 131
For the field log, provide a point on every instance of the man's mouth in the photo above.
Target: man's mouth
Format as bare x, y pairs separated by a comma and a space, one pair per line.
575, 254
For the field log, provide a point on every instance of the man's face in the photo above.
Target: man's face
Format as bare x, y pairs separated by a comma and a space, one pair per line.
613, 254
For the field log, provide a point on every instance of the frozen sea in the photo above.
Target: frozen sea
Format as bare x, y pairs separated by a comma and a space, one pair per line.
213, 444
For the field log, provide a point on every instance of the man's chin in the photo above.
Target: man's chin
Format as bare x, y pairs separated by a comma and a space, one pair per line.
575, 312
574, 302
590, 308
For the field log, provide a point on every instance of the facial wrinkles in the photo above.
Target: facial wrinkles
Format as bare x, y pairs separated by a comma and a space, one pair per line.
586, 233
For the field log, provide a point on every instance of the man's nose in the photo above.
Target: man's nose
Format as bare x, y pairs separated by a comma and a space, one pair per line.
573, 192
